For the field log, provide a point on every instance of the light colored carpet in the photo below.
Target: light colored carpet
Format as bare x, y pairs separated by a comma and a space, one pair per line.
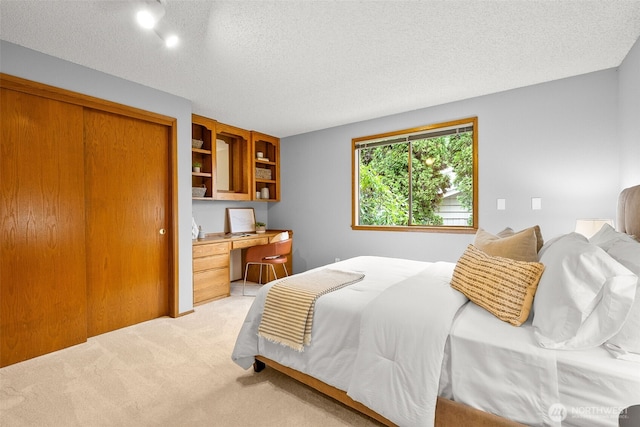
165, 372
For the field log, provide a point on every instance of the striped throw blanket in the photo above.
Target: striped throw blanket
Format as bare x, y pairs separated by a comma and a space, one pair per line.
288, 311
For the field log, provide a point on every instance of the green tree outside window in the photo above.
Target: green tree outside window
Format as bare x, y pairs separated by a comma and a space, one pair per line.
421, 178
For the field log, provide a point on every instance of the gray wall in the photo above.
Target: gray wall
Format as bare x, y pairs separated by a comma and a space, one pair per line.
562, 141
211, 215
557, 141
629, 95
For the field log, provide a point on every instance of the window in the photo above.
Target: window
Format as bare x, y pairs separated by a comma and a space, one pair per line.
422, 179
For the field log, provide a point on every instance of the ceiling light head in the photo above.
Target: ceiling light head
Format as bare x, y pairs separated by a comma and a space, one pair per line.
146, 19
150, 13
168, 36
171, 40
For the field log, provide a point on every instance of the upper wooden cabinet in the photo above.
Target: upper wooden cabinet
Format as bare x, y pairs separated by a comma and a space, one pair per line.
232, 163
202, 157
235, 164
265, 150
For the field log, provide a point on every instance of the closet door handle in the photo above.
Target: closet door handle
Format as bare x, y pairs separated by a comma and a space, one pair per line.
162, 231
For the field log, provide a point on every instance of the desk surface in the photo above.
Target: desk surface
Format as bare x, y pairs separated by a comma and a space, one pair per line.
222, 237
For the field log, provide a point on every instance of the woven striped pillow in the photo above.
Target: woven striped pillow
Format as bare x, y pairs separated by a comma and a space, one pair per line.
502, 286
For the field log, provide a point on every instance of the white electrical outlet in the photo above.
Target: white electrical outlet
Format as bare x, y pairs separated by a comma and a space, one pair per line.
536, 203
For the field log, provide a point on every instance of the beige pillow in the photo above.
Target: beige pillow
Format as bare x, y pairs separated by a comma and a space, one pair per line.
502, 286
521, 246
536, 229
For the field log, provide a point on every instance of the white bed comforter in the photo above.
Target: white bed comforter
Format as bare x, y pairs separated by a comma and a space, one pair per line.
361, 339
402, 338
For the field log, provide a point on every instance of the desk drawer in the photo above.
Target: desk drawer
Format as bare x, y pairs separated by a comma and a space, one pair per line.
250, 242
209, 262
210, 249
210, 284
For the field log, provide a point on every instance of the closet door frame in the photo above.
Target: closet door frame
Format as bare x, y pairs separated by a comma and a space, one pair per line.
51, 92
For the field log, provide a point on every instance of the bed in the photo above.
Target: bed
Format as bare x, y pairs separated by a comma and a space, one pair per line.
407, 344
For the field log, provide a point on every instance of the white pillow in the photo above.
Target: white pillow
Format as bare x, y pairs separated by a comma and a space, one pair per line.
584, 296
607, 236
626, 343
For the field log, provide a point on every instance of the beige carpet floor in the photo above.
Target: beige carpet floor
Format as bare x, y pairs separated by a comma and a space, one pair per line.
165, 372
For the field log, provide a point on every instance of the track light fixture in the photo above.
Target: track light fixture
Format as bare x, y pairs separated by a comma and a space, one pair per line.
148, 17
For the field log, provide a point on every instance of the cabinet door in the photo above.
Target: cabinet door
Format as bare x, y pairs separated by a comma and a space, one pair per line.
210, 284
210, 271
127, 202
203, 155
210, 249
43, 304
265, 174
210, 262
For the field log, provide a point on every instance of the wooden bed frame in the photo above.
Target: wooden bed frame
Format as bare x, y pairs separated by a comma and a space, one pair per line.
448, 412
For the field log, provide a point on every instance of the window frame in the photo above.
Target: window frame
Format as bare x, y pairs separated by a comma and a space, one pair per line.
355, 179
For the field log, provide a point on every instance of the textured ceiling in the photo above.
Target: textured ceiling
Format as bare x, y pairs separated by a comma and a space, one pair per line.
289, 67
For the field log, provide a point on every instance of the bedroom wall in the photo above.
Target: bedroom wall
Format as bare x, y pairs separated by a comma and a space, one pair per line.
556, 140
629, 106
540, 141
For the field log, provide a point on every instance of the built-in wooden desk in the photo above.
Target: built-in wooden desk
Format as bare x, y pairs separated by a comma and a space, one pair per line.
211, 263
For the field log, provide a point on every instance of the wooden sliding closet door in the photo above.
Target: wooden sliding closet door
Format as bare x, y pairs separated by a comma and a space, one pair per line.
42, 227
127, 202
